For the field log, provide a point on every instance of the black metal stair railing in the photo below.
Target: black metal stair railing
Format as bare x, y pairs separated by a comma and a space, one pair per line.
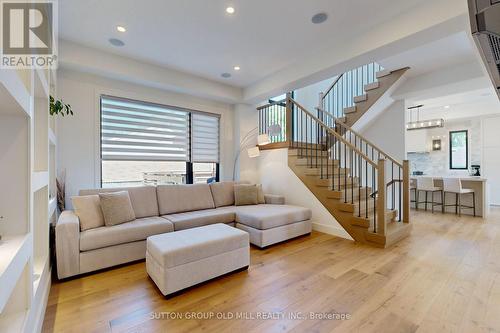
272, 120
394, 169
340, 94
341, 162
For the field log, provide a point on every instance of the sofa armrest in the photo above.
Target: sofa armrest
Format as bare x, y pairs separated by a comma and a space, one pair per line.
68, 244
274, 199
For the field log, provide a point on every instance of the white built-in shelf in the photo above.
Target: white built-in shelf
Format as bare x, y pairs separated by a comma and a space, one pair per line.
39, 180
52, 137
14, 254
14, 322
42, 88
15, 98
40, 267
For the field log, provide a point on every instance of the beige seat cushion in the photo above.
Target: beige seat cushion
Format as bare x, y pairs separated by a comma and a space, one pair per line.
128, 232
200, 218
116, 208
143, 198
270, 216
185, 246
223, 193
88, 210
246, 194
184, 198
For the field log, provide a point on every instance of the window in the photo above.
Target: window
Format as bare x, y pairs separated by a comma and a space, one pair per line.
150, 144
459, 150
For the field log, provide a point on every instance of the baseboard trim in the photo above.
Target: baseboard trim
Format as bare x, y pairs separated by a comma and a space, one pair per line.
331, 230
38, 310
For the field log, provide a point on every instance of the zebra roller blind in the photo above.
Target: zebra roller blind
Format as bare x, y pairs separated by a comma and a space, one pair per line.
138, 131
205, 138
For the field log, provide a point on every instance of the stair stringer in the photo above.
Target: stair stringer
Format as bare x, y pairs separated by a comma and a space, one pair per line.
377, 100
345, 219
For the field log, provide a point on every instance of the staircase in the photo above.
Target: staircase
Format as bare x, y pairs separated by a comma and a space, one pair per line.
353, 93
364, 189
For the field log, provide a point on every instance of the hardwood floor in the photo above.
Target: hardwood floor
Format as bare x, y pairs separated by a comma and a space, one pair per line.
444, 278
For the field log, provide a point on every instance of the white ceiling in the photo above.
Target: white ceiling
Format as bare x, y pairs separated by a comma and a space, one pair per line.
472, 103
452, 50
198, 37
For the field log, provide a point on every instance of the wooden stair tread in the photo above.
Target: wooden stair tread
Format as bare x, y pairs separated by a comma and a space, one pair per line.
360, 98
372, 86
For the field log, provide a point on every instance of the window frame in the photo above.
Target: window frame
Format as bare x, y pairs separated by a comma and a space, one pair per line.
466, 149
189, 164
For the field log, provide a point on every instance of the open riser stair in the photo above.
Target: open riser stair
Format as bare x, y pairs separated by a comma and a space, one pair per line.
365, 189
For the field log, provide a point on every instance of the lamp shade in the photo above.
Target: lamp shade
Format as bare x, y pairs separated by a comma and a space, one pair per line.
253, 152
263, 139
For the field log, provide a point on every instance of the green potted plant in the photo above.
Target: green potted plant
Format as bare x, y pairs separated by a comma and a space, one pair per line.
59, 107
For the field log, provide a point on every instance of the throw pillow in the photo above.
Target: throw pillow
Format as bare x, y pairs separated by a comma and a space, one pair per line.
223, 193
245, 195
116, 208
260, 194
88, 210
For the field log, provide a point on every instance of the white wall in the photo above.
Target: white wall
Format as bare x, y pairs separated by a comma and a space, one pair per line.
491, 157
308, 96
78, 136
388, 130
245, 121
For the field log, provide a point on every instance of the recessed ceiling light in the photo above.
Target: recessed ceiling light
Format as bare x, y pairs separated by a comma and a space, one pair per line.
116, 42
319, 18
236, 68
121, 28
446, 106
226, 75
230, 10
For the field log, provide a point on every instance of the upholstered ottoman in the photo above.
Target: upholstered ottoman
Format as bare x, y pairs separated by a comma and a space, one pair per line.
184, 258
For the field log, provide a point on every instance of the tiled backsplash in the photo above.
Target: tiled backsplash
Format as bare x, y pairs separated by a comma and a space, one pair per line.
437, 162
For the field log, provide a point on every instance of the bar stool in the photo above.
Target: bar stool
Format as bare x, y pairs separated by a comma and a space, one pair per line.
426, 184
414, 188
454, 185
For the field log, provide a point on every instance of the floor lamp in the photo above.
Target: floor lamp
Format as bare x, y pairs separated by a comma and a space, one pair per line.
252, 150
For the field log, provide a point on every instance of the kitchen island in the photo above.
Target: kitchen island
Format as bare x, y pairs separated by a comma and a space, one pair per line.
478, 184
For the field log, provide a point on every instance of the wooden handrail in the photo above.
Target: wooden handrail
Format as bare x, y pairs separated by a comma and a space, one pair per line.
338, 136
370, 143
332, 85
282, 102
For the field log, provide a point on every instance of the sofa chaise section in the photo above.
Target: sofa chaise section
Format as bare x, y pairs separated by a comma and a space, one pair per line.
270, 224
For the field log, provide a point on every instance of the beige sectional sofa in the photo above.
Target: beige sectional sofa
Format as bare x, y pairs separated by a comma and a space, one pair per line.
169, 208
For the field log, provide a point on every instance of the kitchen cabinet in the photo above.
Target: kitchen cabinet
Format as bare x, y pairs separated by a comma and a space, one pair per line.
416, 141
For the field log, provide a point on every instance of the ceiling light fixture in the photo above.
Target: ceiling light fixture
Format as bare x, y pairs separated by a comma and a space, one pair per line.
236, 68
422, 124
446, 106
230, 10
121, 28
226, 75
319, 18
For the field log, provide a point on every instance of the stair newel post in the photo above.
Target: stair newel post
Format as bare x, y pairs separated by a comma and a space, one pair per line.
406, 191
381, 205
289, 120
320, 108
